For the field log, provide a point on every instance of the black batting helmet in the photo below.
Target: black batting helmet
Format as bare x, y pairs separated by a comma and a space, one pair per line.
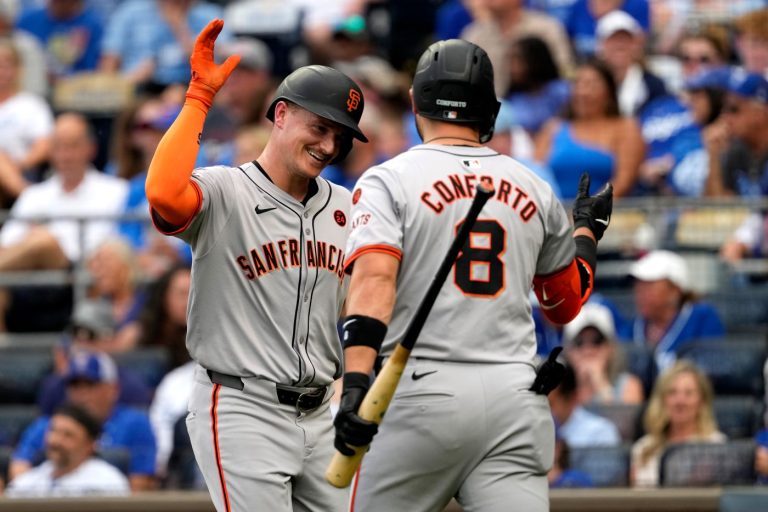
328, 93
454, 83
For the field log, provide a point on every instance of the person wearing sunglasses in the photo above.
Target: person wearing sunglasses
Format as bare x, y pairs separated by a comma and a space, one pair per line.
702, 49
591, 349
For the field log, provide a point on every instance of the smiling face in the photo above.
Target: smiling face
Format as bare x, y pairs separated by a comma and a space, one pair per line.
683, 400
309, 142
590, 94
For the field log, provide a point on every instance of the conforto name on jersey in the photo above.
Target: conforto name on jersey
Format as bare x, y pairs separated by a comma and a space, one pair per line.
462, 186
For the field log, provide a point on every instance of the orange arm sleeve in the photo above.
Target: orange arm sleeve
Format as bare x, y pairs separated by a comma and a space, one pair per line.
561, 294
170, 190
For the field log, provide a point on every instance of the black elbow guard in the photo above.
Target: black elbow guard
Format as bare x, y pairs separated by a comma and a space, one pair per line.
586, 256
361, 330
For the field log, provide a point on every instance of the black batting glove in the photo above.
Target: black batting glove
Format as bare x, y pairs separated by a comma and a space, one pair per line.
351, 429
549, 374
593, 212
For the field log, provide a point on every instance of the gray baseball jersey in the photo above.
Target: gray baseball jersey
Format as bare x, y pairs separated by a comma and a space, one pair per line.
411, 207
267, 278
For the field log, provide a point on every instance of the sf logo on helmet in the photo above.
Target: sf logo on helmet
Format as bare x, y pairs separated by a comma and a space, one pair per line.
353, 101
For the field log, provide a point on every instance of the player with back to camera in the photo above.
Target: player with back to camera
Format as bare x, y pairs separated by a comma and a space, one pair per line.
267, 288
470, 418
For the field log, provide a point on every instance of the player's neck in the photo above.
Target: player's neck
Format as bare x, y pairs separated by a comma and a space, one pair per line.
449, 134
452, 140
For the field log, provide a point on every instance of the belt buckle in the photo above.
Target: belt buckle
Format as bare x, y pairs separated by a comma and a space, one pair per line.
307, 400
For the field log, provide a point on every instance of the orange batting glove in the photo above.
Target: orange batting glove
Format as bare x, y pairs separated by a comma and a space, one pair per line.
207, 76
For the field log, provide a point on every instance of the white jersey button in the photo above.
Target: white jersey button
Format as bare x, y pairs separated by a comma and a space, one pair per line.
306, 215
307, 231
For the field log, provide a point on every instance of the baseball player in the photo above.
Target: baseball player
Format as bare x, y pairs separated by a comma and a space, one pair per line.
470, 418
268, 241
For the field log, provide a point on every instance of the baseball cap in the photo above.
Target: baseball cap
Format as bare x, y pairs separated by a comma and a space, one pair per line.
617, 21
91, 366
591, 315
95, 315
254, 54
657, 265
712, 78
751, 86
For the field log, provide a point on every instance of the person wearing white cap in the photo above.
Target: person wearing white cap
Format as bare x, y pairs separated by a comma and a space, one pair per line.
668, 314
620, 43
592, 351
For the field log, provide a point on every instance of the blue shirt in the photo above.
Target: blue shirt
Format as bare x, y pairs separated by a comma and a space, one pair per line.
581, 24
126, 428
137, 33
695, 321
71, 45
532, 109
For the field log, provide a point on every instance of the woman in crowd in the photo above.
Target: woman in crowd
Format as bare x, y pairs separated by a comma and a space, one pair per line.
679, 411
591, 349
592, 136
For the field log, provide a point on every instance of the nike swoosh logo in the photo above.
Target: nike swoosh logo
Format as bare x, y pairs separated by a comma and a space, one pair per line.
259, 211
552, 306
603, 221
417, 376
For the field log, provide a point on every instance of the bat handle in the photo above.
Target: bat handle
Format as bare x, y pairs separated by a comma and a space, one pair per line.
343, 467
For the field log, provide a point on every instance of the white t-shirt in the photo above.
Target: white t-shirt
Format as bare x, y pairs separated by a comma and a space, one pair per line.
93, 477
97, 195
170, 404
24, 118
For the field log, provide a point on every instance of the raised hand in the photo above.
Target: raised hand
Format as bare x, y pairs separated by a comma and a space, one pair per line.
207, 76
593, 212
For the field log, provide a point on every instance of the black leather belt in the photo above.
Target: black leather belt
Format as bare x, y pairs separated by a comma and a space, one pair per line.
304, 399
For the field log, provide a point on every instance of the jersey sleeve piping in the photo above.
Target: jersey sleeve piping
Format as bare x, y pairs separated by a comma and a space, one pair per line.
380, 248
168, 229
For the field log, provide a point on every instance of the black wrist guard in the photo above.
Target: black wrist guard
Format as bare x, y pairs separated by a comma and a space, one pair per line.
361, 330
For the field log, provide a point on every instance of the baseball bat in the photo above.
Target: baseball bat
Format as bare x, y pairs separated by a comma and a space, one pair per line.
343, 467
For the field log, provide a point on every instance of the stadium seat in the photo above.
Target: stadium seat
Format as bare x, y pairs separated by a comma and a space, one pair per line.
626, 417
734, 367
738, 417
150, 363
183, 471
607, 466
708, 228
705, 464
13, 420
5, 460
117, 456
21, 371
640, 362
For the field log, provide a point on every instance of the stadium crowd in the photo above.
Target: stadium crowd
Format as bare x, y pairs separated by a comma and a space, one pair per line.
666, 99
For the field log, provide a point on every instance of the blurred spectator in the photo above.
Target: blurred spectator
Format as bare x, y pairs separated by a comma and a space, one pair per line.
75, 189
584, 16
26, 123
750, 240
451, 18
703, 49
668, 314
737, 146
151, 40
137, 133
620, 43
500, 22
92, 385
761, 451
752, 40
561, 476
71, 467
34, 72
92, 329
596, 359
69, 31
593, 136
249, 143
678, 161
536, 91
168, 406
164, 319
577, 426
114, 274
679, 410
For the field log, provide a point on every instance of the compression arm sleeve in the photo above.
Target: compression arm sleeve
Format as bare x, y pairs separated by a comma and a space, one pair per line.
561, 294
170, 190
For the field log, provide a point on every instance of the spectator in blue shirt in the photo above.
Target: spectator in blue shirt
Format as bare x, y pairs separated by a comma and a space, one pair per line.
151, 40
92, 384
584, 14
69, 31
668, 316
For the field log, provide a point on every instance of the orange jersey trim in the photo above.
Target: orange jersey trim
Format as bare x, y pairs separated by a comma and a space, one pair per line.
380, 248
156, 217
216, 449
